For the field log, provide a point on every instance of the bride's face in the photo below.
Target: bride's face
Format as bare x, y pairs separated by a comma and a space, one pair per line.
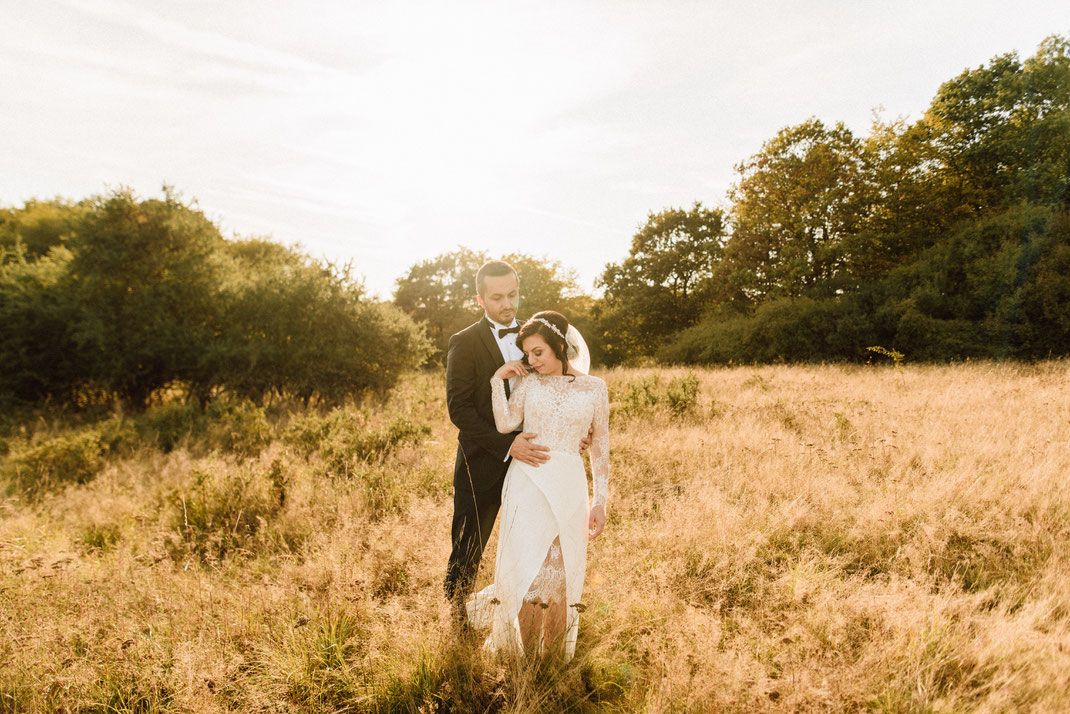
540, 356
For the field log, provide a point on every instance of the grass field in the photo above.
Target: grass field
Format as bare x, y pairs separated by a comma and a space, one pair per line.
788, 538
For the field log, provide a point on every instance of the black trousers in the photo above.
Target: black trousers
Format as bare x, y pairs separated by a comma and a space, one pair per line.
477, 496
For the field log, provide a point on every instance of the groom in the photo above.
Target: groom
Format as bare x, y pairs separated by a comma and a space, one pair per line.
483, 453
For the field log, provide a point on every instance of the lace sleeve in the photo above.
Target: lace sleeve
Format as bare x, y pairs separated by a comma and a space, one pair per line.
508, 413
600, 446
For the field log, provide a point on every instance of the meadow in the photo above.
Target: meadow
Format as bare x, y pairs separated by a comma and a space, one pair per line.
780, 538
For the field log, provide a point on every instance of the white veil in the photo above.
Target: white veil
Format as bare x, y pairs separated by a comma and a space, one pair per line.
579, 357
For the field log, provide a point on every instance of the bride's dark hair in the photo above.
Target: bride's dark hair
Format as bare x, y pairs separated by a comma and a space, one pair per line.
534, 326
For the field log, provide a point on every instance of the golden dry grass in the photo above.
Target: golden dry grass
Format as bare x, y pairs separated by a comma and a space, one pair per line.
789, 538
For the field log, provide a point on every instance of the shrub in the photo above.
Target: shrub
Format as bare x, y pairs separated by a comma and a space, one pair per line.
717, 339
791, 330
226, 512
241, 428
144, 280
342, 439
292, 325
638, 396
100, 536
72, 456
166, 425
38, 352
682, 394
136, 296
68, 458
648, 395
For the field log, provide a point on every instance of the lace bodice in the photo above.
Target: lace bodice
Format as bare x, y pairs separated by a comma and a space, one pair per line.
560, 411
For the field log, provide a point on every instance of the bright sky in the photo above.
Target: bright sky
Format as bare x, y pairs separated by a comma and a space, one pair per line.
390, 132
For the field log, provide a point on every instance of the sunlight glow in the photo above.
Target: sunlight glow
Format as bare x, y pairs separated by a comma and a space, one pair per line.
388, 133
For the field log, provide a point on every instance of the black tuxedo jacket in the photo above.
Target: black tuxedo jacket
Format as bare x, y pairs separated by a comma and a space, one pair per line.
471, 360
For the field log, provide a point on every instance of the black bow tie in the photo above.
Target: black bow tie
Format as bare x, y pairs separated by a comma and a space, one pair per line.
503, 331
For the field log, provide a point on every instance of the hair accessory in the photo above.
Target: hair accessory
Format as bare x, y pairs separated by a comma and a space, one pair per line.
550, 325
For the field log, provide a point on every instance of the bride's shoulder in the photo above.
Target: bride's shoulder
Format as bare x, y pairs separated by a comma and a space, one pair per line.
591, 380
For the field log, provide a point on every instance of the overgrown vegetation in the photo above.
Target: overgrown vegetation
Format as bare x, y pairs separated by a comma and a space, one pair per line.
117, 298
851, 538
945, 238
651, 395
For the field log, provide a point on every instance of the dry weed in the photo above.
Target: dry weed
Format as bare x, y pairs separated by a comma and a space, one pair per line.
786, 538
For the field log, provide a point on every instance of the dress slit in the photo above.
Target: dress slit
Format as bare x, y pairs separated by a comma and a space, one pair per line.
549, 583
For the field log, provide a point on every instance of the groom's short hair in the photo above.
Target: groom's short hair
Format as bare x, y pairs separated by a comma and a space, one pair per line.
493, 268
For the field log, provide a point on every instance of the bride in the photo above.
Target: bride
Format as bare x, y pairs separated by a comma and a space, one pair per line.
534, 602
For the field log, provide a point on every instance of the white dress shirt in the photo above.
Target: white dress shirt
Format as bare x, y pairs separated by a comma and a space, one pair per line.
506, 344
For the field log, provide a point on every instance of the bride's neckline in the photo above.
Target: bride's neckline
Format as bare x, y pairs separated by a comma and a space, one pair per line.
577, 376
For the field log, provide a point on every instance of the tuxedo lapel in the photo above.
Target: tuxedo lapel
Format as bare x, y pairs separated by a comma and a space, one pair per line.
487, 338
486, 334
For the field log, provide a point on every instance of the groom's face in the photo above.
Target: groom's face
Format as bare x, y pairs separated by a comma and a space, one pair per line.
500, 298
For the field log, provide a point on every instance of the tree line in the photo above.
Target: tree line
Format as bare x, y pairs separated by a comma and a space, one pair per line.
944, 238
117, 298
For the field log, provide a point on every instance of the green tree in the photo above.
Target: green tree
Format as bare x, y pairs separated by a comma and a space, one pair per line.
37, 227
1002, 131
37, 350
992, 137
943, 238
139, 295
1040, 312
910, 207
795, 206
661, 287
144, 277
440, 292
292, 325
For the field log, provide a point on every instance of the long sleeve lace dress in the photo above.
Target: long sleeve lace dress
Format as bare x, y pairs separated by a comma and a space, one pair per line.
542, 537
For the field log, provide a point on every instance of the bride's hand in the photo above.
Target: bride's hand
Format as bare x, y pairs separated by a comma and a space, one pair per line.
596, 521
513, 368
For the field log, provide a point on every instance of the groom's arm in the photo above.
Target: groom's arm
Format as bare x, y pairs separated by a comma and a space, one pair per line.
461, 389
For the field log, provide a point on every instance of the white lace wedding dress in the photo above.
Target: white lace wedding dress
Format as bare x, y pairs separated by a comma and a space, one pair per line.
542, 535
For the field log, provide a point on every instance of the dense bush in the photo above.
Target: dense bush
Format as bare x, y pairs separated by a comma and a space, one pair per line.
40, 356
166, 425
126, 298
38, 227
997, 287
649, 396
230, 511
72, 456
142, 281
343, 438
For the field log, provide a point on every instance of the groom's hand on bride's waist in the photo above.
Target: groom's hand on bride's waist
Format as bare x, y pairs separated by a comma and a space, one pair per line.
526, 452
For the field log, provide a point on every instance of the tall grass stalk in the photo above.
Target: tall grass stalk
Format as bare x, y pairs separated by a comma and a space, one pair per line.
782, 538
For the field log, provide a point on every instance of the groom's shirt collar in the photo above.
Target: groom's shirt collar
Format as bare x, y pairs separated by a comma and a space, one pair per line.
506, 343
497, 325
